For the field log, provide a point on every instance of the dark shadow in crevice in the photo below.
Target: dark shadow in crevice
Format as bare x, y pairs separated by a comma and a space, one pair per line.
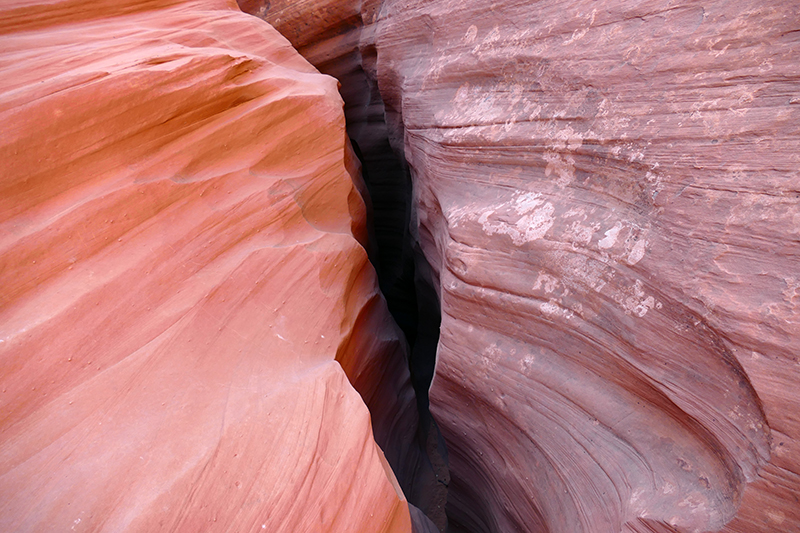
403, 272
405, 280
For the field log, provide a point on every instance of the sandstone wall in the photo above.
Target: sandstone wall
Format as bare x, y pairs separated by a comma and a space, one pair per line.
184, 288
609, 195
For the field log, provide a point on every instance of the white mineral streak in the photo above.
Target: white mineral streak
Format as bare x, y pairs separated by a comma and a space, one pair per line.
635, 300
535, 218
611, 237
637, 252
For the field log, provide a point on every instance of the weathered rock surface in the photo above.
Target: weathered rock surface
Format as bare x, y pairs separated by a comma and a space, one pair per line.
184, 295
608, 193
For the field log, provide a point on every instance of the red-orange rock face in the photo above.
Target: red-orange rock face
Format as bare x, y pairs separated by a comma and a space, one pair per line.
183, 284
338, 37
609, 195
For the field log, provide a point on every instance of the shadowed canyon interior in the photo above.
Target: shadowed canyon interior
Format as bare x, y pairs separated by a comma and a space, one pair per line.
529, 266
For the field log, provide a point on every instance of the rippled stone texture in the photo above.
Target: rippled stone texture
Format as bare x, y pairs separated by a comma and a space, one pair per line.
609, 195
184, 291
338, 37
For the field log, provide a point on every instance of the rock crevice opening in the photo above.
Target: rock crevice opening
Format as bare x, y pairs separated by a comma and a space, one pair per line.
338, 39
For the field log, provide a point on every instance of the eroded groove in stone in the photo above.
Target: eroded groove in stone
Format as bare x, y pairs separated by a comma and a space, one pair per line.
606, 194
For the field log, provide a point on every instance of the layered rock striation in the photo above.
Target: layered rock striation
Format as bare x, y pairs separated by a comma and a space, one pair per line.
191, 329
609, 197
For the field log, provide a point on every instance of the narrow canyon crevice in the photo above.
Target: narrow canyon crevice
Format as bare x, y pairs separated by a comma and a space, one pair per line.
404, 276
332, 40
405, 279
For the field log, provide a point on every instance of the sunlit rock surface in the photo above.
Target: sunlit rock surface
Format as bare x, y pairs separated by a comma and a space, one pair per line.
184, 288
609, 195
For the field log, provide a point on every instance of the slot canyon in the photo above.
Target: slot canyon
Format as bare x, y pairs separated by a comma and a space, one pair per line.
400, 266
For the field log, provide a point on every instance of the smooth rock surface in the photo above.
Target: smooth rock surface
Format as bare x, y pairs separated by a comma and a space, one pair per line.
608, 193
184, 288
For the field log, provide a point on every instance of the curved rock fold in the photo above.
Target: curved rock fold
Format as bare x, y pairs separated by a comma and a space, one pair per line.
607, 195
